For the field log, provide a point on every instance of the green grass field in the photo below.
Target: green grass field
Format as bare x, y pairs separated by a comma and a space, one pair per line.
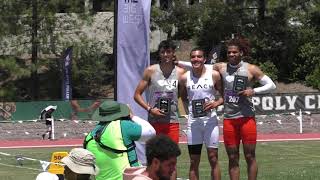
295, 160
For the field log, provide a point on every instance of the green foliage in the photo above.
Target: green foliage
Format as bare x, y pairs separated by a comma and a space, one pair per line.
218, 22
284, 33
161, 19
269, 69
18, 18
91, 68
54, 24
313, 79
307, 60
187, 20
11, 70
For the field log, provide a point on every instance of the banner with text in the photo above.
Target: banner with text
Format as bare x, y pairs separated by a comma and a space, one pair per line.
285, 103
133, 54
66, 74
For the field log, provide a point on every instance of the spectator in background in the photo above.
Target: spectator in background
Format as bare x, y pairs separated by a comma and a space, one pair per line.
46, 114
112, 140
161, 153
80, 164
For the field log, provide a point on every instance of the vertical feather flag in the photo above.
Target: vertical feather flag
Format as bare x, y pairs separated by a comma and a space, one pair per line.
66, 74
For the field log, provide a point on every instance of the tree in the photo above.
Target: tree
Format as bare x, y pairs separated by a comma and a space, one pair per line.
11, 70
37, 31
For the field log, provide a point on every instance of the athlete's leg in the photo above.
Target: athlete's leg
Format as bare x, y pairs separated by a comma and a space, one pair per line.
195, 155
50, 131
211, 136
250, 156
213, 160
195, 140
231, 137
249, 140
233, 155
173, 133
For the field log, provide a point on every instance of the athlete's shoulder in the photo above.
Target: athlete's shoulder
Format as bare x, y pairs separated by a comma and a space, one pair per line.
184, 75
253, 67
151, 69
180, 70
215, 72
219, 65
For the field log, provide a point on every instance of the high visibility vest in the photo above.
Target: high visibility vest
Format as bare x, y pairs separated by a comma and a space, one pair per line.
109, 137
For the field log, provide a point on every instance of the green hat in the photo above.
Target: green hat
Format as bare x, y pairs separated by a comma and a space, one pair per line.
110, 111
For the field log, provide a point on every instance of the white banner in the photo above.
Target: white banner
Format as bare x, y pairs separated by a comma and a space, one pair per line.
133, 54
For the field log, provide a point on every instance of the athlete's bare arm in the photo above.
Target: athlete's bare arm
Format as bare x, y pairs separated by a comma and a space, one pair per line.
218, 86
142, 86
183, 88
183, 91
255, 74
180, 73
218, 66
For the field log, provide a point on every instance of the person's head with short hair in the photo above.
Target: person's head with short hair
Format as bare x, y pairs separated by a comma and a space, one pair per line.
237, 48
161, 153
197, 58
80, 164
166, 51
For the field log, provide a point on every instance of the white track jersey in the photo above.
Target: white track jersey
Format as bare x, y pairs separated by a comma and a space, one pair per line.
200, 88
203, 129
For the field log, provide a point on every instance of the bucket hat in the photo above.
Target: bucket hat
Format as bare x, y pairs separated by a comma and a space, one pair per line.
110, 111
81, 161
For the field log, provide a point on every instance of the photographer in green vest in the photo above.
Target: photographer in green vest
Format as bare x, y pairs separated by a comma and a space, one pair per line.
112, 140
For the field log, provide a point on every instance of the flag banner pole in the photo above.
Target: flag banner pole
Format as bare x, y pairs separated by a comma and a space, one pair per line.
66, 75
133, 54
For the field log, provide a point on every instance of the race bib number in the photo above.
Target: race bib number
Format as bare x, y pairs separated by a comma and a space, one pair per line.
169, 84
231, 97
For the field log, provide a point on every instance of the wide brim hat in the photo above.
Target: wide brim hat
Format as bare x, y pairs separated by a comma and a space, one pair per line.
50, 107
81, 161
110, 111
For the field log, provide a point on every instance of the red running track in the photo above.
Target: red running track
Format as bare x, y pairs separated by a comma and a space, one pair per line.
78, 142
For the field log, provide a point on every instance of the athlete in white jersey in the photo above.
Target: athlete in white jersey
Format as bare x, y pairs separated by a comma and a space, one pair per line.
198, 88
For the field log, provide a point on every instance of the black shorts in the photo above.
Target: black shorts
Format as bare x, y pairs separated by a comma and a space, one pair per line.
195, 149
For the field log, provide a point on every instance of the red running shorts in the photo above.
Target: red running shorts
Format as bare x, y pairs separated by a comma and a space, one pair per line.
237, 129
